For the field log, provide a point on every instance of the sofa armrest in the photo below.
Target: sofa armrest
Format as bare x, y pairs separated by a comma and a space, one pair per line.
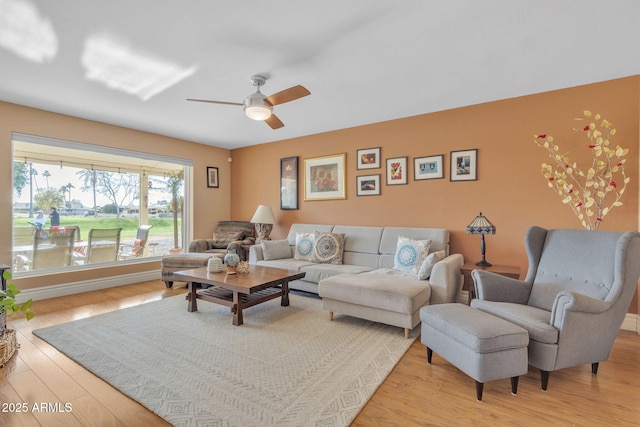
255, 254
446, 279
200, 245
495, 287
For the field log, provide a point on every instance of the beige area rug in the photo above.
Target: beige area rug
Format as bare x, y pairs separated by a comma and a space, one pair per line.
286, 366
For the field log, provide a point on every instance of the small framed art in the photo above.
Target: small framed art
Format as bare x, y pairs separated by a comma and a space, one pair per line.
397, 171
464, 165
368, 185
368, 158
212, 177
431, 167
289, 183
324, 178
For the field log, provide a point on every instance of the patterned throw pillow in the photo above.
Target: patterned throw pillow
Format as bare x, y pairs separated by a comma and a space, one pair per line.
304, 246
410, 254
328, 247
429, 262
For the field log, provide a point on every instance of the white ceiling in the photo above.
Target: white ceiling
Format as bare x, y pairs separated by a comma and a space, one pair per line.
364, 61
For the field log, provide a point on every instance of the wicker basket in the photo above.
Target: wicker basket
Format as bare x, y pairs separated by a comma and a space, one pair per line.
8, 346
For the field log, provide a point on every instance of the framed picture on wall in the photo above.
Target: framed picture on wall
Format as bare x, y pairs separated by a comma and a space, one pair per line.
289, 183
324, 178
464, 165
431, 167
397, 171
212, 177
368, 185
368, 158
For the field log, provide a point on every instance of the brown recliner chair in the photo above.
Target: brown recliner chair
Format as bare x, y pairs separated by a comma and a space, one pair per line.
236, 235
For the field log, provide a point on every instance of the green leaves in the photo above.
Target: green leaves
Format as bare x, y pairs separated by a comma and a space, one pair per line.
8, 298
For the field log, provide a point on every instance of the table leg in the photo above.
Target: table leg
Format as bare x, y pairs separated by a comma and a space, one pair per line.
192, 296
237, 309
285, 294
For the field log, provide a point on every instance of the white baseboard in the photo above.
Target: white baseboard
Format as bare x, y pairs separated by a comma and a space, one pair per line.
631, 321
54, 291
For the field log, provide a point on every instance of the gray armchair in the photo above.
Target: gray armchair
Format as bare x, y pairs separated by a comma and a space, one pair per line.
236, 235
574, 298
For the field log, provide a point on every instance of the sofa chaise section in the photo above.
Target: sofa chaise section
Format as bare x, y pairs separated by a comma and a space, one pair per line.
366, 285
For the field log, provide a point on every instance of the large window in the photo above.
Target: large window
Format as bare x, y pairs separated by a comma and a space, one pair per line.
77, 205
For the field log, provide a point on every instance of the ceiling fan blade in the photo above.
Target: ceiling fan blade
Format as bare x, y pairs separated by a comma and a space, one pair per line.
216, 102
287, 95
274, 122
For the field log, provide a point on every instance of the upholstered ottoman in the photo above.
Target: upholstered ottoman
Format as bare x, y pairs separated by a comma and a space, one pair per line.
482, 346
172, 263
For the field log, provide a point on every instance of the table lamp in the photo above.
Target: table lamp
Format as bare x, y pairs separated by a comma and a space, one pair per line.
263, 220
481, 225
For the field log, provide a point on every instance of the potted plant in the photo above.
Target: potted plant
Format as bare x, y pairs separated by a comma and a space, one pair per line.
8, 302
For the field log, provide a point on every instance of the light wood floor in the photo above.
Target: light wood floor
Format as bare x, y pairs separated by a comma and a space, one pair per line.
414, 394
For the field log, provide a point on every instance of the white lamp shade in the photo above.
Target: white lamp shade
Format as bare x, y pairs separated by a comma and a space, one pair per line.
263, 215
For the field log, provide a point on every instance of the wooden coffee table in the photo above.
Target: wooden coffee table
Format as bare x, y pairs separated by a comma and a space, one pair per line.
238, 291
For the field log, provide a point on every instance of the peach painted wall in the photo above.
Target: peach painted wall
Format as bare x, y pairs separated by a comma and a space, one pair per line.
211, 205
510, 190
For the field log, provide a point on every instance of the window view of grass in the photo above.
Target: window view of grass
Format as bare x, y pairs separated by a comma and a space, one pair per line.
73, 190
162, 227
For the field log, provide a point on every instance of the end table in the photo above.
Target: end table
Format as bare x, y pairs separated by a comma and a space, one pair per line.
504, 270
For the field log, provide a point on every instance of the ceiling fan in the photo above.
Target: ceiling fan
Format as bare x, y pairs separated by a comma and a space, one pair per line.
257, 106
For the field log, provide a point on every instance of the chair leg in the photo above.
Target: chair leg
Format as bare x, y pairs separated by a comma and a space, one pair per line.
429, 355
594, 368
514, 385
331, 315
544, 379
406, 332
479, 387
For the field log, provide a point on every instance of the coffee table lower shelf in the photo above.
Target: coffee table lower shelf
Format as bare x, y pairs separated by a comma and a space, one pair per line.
225, 297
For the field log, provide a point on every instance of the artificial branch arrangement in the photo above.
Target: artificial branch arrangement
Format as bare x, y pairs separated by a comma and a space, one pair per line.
592, 194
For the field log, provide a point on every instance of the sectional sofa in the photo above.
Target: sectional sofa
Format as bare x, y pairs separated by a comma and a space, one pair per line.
366, 282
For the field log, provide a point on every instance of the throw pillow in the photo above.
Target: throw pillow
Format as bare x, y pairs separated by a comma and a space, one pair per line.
429, 262
410, 254
304, 246
328, 247
221, 239
275, 249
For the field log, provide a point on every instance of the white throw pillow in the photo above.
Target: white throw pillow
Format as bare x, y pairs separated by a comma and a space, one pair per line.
428, 263
275, 249
410, 254
304, 246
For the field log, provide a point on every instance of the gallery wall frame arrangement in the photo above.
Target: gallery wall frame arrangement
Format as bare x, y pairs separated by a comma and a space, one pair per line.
397, 170
429, 167
324, 178
289, 183
368, 185
464, 165
212, 177
368, 158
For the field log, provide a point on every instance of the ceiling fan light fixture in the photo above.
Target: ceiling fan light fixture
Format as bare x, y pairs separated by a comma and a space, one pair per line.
256, 108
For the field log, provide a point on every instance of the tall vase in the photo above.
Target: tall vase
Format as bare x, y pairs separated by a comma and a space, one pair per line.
231, 259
